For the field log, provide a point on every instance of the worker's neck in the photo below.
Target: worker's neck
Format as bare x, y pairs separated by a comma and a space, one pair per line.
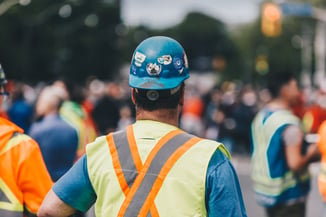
164, 115
279, 103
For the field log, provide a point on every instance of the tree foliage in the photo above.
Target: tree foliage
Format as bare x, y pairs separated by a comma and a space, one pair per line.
282, 53
76, 39
49, 39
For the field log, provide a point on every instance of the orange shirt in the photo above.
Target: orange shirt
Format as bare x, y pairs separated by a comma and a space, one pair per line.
24, 179
322, 149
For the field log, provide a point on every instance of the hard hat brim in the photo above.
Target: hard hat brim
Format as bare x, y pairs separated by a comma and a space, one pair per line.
155, 83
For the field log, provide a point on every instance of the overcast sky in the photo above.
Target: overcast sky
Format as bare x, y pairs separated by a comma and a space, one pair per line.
165, 13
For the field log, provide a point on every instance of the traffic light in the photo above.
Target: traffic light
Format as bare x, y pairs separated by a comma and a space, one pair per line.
261, 64
271, 20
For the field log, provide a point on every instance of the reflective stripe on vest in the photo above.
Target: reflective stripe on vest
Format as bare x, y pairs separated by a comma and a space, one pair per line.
322, 172
126, 160
141, 190
9, 204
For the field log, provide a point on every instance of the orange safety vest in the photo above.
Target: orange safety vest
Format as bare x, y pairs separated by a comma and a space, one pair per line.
20, 190
322, 149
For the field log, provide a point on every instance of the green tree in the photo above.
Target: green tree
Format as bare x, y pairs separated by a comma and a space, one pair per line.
281, 52
208, 44
72, 38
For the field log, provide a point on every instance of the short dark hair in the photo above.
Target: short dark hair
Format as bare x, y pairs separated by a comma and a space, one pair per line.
165, 100
276, 80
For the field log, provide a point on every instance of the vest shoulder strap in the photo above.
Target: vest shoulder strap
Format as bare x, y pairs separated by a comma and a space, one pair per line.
141, 182
15, 139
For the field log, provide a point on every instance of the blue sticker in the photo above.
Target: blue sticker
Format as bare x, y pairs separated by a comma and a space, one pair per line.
178, 63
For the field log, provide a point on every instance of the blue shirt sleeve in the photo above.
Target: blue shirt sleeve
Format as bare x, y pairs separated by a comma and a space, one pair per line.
68, 187
223, 193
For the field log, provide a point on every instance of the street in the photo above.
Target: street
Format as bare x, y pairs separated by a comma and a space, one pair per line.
242, 166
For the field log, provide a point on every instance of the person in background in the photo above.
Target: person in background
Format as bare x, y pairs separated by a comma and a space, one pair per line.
74, 114
57, 139
24, 179
280, 160
315, 114
106, 112
152, 167
125, 117
191, 117
244, 112
20, 111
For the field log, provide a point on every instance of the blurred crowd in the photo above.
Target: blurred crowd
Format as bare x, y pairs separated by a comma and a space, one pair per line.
223, 112
64, 116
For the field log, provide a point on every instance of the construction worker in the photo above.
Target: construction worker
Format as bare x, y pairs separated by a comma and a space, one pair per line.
73, 112
57, 139
279, 158
24, 179
152, 168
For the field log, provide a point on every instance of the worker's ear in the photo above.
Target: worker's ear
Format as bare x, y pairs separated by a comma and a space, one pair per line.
132, 96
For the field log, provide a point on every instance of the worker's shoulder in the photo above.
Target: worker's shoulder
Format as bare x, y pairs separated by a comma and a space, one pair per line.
98, 144
18, 138
21, 145
214, 146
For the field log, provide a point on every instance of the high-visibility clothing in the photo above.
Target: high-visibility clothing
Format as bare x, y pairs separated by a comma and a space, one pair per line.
273, 181
24, 180
165, 180
313, 117
322, 149
75, 115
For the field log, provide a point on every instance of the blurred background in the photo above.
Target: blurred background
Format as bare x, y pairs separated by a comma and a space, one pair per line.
231, 47
42, 40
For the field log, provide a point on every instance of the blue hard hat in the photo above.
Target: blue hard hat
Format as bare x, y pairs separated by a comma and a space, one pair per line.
158, 63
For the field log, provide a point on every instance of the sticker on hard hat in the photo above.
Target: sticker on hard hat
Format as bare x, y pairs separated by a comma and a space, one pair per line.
165, 60
139, 58
153, 69
178, 64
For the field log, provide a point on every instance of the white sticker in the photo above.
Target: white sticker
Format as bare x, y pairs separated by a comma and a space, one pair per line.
139, 58
165, 59
153, 69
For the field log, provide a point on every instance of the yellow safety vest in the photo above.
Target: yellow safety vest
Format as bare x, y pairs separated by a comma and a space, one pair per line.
267, 187
171, 181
